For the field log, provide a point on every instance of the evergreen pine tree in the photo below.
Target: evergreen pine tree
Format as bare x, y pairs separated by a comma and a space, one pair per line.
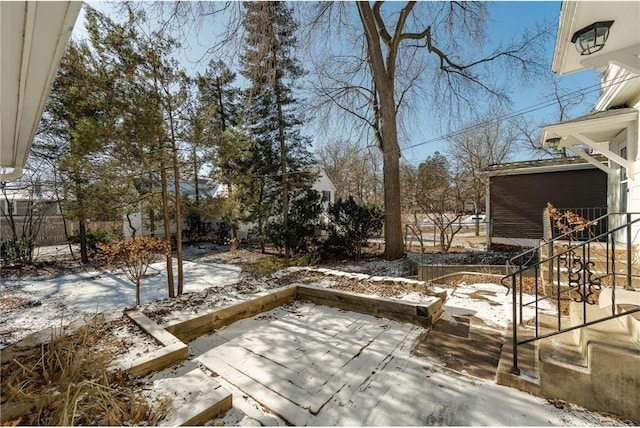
272, 113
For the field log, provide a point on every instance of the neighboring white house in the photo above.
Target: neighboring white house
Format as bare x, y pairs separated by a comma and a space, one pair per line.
209, 189
206, 189
605, 36
323, 185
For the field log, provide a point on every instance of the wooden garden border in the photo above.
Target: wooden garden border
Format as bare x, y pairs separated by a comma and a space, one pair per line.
174, 336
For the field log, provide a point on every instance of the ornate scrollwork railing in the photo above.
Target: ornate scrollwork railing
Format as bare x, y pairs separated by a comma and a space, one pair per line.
581, 279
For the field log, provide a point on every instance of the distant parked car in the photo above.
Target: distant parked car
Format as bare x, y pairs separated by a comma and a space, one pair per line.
473, 218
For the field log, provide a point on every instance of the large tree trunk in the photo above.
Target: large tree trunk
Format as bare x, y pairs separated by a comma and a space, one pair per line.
259, 216
394, 242
283, 167
167, 226
386, 131
178, 221
178, 207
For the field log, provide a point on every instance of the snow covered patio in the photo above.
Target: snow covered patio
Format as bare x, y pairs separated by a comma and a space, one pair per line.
311, 363
304, 361
308, 364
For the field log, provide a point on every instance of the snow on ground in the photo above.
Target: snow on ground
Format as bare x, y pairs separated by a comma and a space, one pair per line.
400, 390
58, 301
33, 303
102, 291
488, 302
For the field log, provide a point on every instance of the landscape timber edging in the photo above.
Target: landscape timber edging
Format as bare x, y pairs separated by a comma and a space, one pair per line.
420, 314
174, 336
190, 329
173, 349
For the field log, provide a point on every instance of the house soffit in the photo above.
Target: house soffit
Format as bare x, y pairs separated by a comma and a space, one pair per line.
622, 46
541, 166
33, 37
592, 133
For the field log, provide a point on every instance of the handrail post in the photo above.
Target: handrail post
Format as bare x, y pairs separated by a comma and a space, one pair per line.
514, 369
629, 285
613, 277
550, 258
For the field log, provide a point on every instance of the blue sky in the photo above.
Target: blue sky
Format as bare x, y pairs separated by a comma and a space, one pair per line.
507, 19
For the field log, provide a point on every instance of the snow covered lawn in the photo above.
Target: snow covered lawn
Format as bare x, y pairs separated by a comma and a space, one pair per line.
407, 390
38, 303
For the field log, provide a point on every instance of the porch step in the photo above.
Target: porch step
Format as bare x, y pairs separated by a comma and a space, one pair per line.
529, 379
600, 260
630, 322
464, 344
598, 272
597, 367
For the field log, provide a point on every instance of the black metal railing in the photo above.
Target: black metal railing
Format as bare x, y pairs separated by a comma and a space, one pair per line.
578, 273
597, 217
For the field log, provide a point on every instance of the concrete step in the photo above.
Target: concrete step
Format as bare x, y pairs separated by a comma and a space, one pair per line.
596, 249
464, 344
630, 322
626, 301
601, 264
196, 399
597, 367
529, 379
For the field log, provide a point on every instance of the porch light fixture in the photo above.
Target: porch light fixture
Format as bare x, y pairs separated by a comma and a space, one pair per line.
591, 38
552, 143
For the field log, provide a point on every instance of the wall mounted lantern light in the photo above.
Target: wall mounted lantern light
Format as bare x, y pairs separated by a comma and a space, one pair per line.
552, 143
591, 38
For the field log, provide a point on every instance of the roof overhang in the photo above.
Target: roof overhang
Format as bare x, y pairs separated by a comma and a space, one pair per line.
539, 167
622, 46
33, 37
592, 133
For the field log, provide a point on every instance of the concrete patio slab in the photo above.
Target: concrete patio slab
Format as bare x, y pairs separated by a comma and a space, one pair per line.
196, 400
312, 352
317, 365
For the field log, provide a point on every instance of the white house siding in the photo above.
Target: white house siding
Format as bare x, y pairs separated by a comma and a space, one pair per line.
634, 182
323, 184
633, 196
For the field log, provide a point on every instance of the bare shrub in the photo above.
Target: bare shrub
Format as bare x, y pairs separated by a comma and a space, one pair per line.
134, 255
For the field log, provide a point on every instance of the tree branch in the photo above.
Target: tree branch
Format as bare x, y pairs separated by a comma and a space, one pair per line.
382, 29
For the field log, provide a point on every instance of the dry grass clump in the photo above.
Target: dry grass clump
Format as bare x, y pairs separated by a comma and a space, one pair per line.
66, 382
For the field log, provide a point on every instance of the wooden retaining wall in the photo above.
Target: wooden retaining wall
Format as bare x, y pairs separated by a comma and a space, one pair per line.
175, 336
204, 324
421, 315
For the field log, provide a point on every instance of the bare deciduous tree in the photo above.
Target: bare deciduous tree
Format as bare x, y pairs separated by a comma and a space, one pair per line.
405, 47
565, 102
354, 170
490, 142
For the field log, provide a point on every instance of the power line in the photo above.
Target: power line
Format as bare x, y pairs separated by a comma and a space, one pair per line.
525, 110
530, 109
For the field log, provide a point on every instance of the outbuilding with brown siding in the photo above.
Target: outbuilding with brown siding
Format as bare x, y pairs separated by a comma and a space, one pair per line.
518, 194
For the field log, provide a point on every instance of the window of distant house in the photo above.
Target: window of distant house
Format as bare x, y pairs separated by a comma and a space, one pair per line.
22, 207
326, 196
624, 182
